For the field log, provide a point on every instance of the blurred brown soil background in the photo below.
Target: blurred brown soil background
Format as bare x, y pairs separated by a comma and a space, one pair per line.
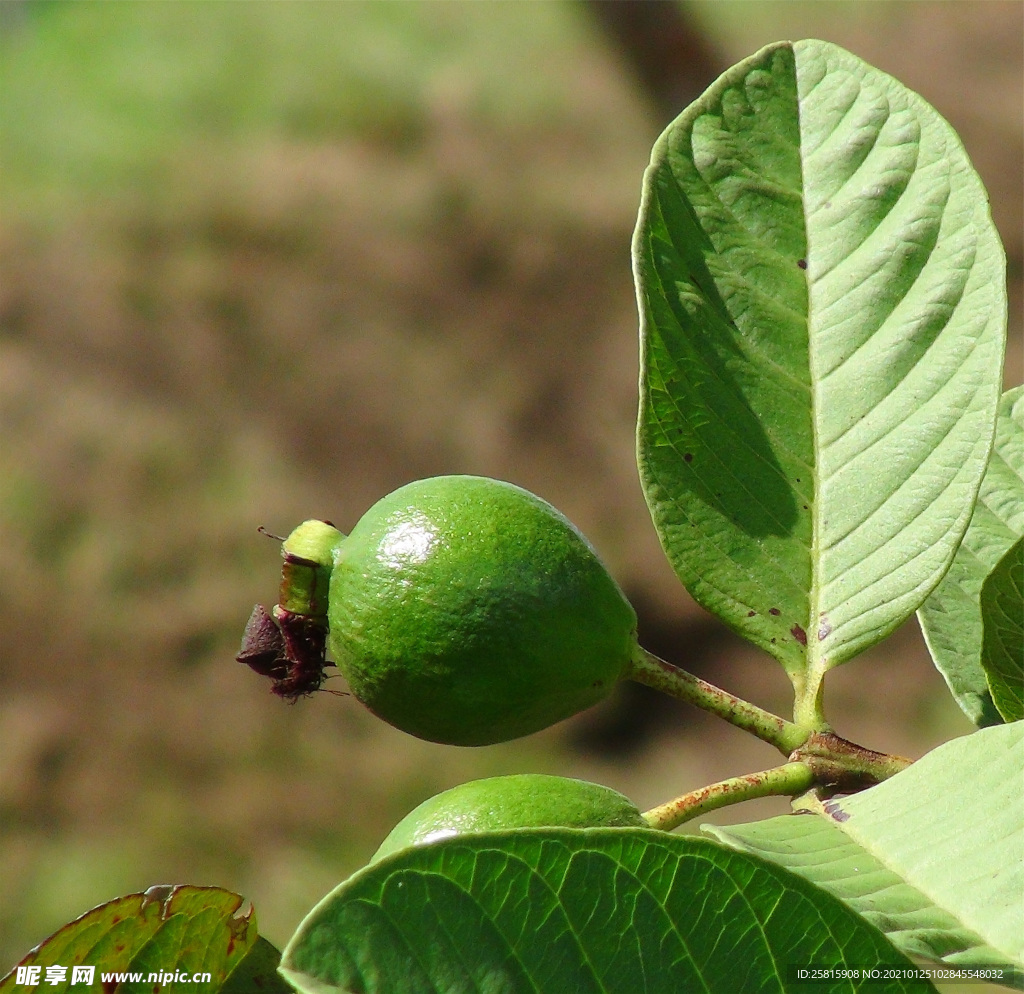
264, 262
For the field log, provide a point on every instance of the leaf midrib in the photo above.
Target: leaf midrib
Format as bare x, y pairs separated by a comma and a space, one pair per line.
816, 661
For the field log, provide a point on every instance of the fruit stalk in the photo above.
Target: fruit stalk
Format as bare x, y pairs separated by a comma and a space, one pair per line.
789, 779
650, 670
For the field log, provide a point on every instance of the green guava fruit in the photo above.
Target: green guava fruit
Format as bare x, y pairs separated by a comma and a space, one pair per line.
528, 800
467, 611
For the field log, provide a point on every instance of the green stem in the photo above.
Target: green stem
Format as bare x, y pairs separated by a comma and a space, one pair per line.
789, 779
808, 711
648, 669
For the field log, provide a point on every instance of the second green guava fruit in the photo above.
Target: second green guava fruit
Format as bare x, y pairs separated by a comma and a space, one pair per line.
529, 800
467, 611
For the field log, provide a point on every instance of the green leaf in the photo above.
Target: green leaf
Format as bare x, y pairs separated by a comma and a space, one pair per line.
823, 309
617, 911
166, 930
1002, 650
951, 618
934, 857
257, 973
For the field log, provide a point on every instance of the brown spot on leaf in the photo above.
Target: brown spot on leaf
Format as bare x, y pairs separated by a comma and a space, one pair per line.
799, 634
774, 611
750, 614
824, 627
688, 456
833, 810
802, 263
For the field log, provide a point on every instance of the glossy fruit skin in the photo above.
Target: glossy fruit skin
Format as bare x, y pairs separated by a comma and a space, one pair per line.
529, 800
467, 611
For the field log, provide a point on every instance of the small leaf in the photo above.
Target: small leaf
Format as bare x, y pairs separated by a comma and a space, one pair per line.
165, 931
951, 618
823, 308
934, 857
592, 911
257, 973
1002, 650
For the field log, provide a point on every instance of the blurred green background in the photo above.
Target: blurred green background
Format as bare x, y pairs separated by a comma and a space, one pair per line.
265, 261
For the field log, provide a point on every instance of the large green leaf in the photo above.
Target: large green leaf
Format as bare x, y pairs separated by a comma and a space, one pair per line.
591, 911
951, 618
1002, 650
933, 857
823, 307
167, 931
